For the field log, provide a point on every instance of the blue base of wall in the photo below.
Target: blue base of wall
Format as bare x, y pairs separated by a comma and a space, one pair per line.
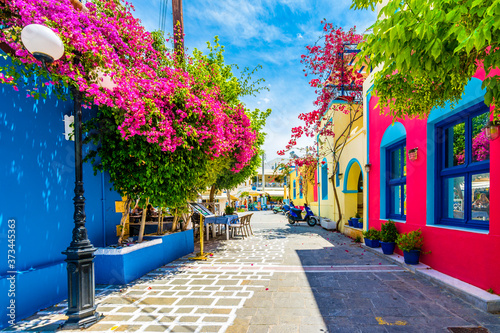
34, 290
45, 286
176, 245
121, 266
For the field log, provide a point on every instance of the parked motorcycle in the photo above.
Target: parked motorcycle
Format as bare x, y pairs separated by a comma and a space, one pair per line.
295, 215
277, 209
286, 209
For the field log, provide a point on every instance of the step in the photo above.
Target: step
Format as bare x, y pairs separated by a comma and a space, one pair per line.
476, 296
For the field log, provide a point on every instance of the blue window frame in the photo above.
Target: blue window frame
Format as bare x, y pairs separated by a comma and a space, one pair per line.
463, 169
294, 190
324, 180
396, 181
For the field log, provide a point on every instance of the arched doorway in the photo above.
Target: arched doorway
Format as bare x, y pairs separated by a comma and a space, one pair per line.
353, 190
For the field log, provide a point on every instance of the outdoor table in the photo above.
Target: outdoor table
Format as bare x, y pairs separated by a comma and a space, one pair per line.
223, 220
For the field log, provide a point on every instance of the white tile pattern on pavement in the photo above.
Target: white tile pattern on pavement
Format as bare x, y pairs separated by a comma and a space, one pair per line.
283, 279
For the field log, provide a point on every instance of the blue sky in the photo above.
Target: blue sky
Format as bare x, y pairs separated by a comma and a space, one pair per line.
271, 33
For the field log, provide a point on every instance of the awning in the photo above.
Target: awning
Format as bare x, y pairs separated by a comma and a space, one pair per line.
219, 197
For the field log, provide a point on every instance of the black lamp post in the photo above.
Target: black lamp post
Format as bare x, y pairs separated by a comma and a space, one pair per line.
80, 253
46, 46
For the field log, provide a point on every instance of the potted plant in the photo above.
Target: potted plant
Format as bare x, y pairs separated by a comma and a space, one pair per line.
388, 236
411, 244
229, 210
372, 237
350, 222
355, 220
360, 223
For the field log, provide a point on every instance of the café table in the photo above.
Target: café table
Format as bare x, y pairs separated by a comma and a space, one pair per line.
220, 220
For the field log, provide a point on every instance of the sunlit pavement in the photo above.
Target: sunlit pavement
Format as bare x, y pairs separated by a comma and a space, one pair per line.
285, 278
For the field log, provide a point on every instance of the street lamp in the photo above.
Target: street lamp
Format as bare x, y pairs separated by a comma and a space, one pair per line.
47, 47
42, 42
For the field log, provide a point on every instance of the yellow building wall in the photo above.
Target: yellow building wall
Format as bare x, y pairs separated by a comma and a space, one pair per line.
351, 165
297, 200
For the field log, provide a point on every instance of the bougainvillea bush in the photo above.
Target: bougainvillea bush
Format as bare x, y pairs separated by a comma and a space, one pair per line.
157, 101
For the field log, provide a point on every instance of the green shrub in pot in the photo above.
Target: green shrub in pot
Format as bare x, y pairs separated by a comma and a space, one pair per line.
388, 232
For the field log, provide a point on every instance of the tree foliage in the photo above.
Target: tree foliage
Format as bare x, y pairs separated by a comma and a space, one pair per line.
429, 50
328, 63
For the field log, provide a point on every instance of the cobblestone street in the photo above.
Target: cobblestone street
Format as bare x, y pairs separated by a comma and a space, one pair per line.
283, 279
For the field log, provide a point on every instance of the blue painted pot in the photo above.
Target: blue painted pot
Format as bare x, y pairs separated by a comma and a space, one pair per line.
354, 222
411, 257
372, 242
388, 247
350, 223
360, 225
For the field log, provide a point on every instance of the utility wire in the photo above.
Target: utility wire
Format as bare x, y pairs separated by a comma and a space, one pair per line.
163, 14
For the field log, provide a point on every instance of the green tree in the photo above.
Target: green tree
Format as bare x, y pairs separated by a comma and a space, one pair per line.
429, 50
218, 75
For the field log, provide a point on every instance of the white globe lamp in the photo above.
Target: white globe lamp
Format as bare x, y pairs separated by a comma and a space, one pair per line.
43, 43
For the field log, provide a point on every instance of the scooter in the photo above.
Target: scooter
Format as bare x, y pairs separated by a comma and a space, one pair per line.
286, 209
296, 216
277, 209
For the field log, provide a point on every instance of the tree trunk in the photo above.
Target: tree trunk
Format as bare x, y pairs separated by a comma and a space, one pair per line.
187, 221
176, 220
143, 221
125, 215
160, 222
337, 202
211, 198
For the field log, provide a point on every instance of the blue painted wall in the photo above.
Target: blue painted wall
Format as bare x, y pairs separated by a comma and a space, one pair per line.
36, 182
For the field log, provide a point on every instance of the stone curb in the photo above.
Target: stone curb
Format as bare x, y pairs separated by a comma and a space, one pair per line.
469, 293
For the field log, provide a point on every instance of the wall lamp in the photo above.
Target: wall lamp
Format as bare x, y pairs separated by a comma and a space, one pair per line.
412, 154
368, 166
492, 130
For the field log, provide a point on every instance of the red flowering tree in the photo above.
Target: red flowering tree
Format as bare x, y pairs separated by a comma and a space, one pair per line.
337, 77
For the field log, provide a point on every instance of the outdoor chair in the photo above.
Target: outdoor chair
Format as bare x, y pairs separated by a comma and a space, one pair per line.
248, 227
239, 226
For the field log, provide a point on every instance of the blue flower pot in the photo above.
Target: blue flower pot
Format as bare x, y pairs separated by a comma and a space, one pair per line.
354, 222
411, 257
372, 242
360, 225
388, 247
350, 222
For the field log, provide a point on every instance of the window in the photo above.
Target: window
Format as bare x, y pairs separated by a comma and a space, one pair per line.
463, 170
301, 187
324, 180
396, 181
294, 190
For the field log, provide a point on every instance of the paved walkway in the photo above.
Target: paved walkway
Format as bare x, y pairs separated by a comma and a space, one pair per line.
284, 279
